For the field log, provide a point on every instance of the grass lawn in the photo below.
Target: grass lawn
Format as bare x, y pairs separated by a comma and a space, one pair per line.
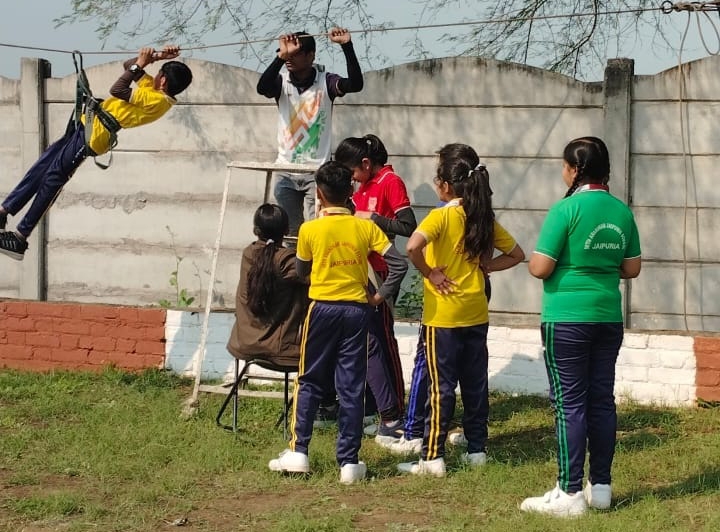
85, 452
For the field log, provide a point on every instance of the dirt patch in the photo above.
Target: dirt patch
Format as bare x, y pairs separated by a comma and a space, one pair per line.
254, 510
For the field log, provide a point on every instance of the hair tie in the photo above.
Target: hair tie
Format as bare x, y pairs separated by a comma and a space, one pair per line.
480, 166
269, 241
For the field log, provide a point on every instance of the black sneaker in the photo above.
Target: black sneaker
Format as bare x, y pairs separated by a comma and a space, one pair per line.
387, 434
12, 245
3, 220
326, 416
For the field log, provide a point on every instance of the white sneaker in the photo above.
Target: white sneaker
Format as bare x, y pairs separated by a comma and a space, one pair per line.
456, 438
436, 467
290, 462
351, 473
556, 502
403, 446
598, 495
474, 459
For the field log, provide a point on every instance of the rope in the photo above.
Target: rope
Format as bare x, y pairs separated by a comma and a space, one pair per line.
681, 94
504, 20
697, 8
666, 7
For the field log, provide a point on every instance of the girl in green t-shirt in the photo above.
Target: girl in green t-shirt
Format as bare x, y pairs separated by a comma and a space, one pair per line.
587, 243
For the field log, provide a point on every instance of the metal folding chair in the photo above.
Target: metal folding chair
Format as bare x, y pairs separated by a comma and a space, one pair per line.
241, 379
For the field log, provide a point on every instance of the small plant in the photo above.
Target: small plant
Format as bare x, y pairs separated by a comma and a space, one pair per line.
182, 299
410, 303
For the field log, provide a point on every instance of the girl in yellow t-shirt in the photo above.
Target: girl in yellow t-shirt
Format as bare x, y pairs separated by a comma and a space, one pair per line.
452, 248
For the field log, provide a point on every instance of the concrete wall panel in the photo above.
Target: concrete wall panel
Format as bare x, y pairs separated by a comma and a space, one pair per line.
109, 236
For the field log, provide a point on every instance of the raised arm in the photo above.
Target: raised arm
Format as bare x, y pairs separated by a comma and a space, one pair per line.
354, 82
146, 56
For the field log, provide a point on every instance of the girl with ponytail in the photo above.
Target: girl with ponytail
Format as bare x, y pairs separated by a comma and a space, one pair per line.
450, 248
271, 299
381, 196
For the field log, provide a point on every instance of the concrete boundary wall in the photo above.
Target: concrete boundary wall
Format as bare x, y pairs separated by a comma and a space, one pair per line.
117, 236
667, 369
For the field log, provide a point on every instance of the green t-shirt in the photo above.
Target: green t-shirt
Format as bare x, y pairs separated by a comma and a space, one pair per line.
588, 235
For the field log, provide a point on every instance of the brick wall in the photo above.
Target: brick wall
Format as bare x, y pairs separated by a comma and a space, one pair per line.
670, 369
707, 354
36, 335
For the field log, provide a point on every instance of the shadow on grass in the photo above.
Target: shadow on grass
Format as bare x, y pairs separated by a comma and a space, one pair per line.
505, 406
704, 482
642, 427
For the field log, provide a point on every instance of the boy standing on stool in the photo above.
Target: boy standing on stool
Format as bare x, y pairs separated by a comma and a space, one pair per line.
333, 249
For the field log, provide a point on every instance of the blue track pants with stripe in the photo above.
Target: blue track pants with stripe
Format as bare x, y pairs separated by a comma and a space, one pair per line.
456, 355
334, 348
580, 361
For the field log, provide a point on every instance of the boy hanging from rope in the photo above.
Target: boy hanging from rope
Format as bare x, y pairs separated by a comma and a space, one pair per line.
151, 99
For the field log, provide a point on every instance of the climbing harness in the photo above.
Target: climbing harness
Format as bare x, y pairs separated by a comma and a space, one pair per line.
90, 106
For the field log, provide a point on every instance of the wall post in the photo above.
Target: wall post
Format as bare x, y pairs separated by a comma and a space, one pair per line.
617, 115
33, 71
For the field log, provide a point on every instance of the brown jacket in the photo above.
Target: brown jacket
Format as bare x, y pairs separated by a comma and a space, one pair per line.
277, 338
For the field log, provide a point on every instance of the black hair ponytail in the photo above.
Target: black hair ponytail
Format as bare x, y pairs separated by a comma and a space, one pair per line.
460, 166
270, 225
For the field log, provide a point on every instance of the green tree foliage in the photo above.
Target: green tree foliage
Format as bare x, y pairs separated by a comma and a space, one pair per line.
534, 32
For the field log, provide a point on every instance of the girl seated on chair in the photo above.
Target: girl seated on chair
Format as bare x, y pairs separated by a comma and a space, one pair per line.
271, 300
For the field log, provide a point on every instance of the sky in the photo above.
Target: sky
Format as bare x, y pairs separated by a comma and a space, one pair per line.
32, 24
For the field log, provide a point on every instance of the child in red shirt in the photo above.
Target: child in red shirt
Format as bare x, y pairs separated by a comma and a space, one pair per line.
382, 198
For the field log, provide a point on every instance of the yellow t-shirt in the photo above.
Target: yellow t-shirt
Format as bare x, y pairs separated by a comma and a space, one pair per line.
338, 245
146, 105
444, 231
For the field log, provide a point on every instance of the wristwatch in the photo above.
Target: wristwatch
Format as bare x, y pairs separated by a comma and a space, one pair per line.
136, 68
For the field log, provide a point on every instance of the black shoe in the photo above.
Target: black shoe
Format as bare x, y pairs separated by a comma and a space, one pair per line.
389, 434
3, 220
326, 416
12, 245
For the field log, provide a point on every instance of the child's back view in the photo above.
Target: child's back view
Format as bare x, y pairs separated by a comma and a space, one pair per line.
271, 299
333, 249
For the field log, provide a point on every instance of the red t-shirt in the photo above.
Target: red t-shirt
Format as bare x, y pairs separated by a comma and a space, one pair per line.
385, 194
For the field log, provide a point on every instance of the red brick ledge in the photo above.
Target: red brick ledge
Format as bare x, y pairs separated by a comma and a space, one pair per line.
41, 336
707, 376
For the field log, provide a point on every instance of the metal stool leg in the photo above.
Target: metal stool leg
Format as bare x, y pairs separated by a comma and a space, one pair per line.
287, 405
233, 394
235, 397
